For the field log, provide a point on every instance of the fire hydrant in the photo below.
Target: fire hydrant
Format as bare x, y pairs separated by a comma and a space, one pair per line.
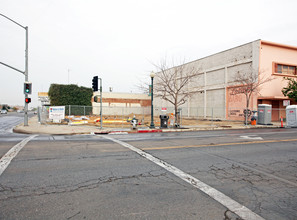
134, 123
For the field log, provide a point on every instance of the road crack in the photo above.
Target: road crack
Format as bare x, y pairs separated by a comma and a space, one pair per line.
7, 192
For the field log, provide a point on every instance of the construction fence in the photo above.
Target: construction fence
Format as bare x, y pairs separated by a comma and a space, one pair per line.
143, 114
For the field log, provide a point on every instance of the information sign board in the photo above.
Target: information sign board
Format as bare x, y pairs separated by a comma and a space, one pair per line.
57, 113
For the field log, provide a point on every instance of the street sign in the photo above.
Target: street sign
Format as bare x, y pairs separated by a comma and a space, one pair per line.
57, 113
286, 102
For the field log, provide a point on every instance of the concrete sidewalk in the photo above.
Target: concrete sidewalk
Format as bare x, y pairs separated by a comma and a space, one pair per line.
36, 128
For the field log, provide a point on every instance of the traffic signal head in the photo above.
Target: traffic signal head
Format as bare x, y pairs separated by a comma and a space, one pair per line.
95, 83
27, 88
27, 100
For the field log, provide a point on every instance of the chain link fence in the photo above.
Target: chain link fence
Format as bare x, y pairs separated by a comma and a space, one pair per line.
143, 114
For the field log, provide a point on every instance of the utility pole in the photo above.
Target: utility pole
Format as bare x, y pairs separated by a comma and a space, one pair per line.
26, 78
95, 89
101, 103
26, 72
68, 75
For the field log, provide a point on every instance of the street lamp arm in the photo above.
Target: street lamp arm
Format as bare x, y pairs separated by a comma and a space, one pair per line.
23, 72
26, 65
13, 21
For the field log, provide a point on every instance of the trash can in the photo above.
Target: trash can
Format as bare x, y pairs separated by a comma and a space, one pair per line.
164, 121
264, 114
254, 118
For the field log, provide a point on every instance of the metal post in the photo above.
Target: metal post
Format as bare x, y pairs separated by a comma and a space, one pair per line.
152, 104
212, 116
122, 116
26, 78
180, 117
100, 103
38, 114
246, 116
26, 67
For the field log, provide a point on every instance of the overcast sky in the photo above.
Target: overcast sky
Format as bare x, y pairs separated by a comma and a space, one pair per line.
70, 41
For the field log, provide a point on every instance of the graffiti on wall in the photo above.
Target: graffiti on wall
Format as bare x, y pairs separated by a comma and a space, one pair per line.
236, 103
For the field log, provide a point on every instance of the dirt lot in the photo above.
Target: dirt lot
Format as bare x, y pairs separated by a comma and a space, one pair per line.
143, 121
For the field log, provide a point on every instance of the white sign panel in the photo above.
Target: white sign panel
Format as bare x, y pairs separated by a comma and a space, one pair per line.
57, 113
286, 102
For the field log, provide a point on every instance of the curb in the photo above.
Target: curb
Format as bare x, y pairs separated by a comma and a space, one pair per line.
128, 132
20, 131
165, 130
150, 131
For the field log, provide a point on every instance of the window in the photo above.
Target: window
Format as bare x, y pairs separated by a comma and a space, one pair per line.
285, 69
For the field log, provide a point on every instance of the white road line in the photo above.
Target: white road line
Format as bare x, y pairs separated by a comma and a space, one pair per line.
251, 137
226, 201
7, 158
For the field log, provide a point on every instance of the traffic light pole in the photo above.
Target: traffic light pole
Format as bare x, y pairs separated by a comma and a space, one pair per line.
26, 67
100, 103
26, 79
95, 89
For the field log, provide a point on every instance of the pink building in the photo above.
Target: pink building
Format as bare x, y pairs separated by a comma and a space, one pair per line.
276, 61
216, 80
279, 61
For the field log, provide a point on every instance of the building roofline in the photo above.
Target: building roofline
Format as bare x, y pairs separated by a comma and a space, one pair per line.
223, 51
278, 45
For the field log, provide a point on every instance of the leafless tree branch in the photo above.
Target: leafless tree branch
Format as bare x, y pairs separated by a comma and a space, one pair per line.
249, 83
172, 83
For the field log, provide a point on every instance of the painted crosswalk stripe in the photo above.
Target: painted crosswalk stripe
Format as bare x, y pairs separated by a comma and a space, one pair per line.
7, 158
226, 201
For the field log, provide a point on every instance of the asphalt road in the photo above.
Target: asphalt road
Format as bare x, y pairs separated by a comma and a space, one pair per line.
186, 175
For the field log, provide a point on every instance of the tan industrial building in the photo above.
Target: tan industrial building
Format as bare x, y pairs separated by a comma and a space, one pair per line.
122, 103
217, 73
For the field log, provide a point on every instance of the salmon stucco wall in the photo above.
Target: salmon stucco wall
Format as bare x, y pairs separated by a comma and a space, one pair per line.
270, 54
236, 104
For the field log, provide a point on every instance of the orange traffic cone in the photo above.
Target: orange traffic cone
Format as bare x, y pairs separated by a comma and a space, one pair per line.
282, 123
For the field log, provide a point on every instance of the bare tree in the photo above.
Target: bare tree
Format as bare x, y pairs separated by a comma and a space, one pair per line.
173, 83
249, 83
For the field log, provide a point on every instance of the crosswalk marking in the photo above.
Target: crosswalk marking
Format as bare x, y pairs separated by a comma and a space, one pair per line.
226, 201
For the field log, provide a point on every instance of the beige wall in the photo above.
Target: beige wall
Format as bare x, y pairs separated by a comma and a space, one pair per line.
113, 102
216, 75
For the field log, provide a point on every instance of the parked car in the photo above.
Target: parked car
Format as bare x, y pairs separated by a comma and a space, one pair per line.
3, 111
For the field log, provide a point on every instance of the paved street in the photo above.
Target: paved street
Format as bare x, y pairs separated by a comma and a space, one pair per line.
182, 175
8, 121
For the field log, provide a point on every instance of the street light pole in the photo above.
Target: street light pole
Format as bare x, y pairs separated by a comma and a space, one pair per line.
26, 66
26, 78
152, 75
100, 103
